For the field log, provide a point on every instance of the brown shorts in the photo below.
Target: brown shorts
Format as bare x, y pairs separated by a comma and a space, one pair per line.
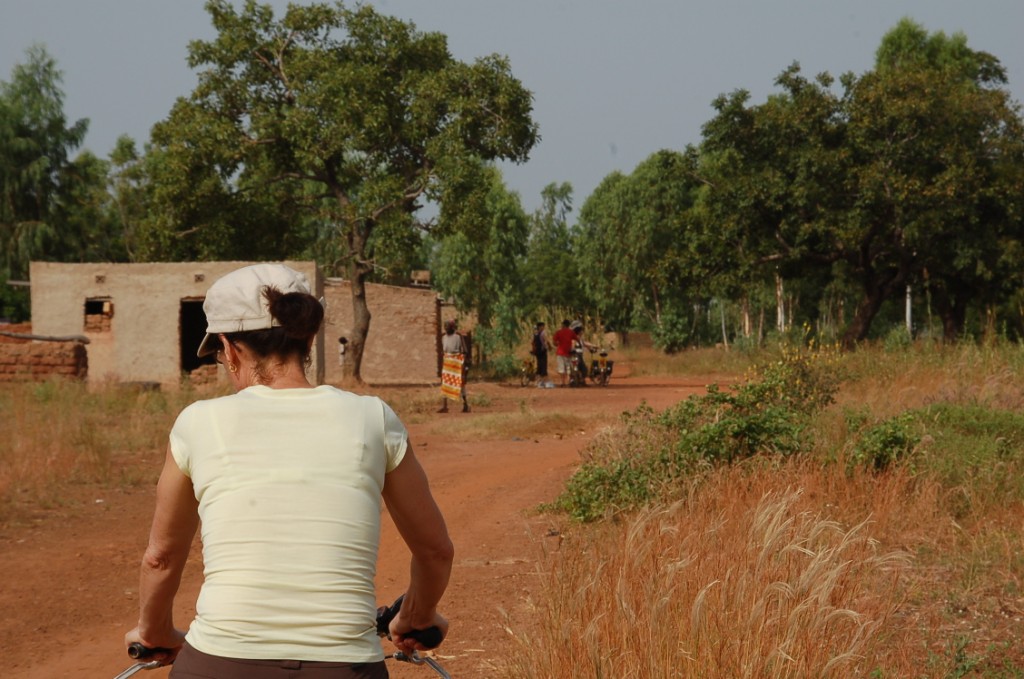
193, 664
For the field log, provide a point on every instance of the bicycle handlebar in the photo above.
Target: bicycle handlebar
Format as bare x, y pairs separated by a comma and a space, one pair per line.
430, 637
137, 651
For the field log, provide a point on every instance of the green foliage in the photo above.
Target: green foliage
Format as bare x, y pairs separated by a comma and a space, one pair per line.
622, 469
912, 173
633, 246
909, 45
968, 445
672, 334
766, 415
886, 443
551, 275
330, 121
479, 265
897, 339
973, 449
53, 207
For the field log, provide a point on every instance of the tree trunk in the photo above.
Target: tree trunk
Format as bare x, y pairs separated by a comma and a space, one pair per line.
861, 323
780, 305
877, 289
359, 270
909, 313
725, 335
360, 328
991, 333
952, 312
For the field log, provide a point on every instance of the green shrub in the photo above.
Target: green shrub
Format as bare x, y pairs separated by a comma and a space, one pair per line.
652, 454
886, 443
971, 444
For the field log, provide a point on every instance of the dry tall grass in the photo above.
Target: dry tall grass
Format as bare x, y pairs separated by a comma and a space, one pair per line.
800, 567
60, 432
746, 577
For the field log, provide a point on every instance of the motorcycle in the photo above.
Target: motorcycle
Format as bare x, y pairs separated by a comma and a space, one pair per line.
577, 368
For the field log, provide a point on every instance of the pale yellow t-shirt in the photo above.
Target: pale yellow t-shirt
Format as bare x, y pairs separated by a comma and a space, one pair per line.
288, 483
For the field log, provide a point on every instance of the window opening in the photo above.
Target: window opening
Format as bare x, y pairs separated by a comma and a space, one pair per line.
98, 312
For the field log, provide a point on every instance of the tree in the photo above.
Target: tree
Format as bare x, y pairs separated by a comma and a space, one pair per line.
912, 173
948, 145
344, 120
89, 228
35, 167
774, 178
480, 264
550, 275
632, 242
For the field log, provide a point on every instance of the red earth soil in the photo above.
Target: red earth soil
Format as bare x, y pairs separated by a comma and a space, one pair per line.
71, 573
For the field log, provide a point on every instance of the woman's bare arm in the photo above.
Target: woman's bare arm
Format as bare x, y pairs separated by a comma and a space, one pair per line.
420, 523
174, 526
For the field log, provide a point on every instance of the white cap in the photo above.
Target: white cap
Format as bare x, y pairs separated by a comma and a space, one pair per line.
235, 302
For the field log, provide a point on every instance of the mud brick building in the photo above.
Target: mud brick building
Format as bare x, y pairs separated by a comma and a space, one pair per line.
26, 360
144, 322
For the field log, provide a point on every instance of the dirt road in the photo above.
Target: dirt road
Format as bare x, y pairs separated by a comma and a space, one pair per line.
71, 576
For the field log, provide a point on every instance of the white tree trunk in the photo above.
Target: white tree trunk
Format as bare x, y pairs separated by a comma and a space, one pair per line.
909, 314
780, 305
725, 336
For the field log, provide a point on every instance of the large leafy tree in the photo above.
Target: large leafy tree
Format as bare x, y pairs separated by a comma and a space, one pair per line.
342, 120
634, 239
550, 275
773, 177
480, 264
912, 172
941, 150
88, 224
36, 168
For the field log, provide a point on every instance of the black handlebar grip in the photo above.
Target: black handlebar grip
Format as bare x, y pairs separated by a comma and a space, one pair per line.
137, 651
430, 637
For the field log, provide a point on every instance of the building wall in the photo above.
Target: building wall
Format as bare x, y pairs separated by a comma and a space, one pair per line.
403, 344
131, 315
34, 361
134, 330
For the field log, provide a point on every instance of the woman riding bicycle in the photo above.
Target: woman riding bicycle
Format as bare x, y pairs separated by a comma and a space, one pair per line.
287, 480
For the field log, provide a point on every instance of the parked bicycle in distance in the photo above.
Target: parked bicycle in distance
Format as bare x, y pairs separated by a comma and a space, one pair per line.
528, 371
601, 368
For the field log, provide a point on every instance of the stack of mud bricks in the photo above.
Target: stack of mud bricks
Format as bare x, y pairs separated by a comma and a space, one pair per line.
36, 361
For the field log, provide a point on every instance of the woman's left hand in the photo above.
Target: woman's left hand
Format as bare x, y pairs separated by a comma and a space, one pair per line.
170, 643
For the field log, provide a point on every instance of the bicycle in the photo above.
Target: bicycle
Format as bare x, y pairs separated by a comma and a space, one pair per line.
577, 369
601, 368
430, 637
528, 372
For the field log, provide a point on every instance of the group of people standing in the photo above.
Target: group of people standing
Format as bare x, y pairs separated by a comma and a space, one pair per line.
565, 342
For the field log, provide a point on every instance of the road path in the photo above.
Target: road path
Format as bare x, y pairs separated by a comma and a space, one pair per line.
71, 572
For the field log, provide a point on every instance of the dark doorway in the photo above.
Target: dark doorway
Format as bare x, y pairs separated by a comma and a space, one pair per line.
192, 326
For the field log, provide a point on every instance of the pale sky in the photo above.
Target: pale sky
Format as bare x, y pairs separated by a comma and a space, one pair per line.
614, 80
